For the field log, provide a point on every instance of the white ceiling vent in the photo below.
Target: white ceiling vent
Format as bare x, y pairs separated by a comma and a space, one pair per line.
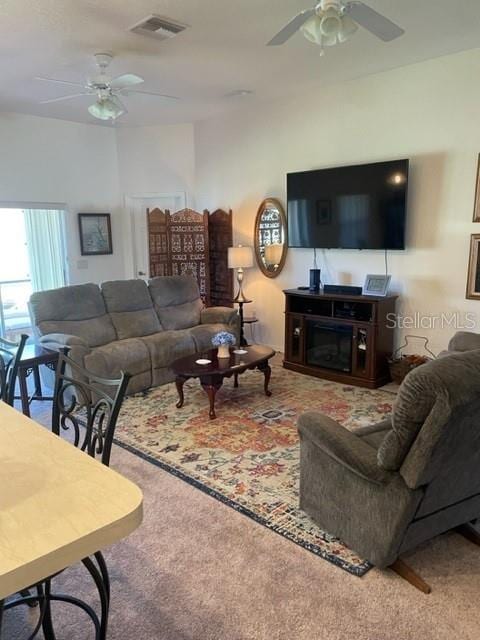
158, 27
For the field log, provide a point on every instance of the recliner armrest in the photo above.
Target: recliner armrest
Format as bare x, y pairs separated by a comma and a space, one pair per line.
343, 446
222, 315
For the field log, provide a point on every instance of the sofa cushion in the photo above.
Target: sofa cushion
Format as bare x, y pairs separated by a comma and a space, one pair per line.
131, 308
204, 333
77, 310
107, 361
177, 301
167, 346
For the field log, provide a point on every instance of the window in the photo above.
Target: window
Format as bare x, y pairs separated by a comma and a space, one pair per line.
32, 258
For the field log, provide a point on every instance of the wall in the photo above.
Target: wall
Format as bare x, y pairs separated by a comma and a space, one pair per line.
154, 159
43, 160
428, 112
93, 168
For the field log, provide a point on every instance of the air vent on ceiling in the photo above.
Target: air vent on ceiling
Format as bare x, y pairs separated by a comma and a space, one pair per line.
158, 27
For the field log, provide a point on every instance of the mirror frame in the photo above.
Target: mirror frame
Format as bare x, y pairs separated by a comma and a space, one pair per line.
270, 203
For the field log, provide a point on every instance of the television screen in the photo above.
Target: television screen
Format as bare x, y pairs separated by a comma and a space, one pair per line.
358, 207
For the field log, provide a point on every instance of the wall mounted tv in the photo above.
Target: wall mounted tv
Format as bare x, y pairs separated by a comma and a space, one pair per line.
357, 207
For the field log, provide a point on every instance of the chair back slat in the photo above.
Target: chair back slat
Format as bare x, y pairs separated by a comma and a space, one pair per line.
10, 356
87, 407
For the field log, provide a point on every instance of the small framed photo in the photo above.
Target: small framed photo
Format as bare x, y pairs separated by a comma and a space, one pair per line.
476, 209
473, 279
376, 285
95, 234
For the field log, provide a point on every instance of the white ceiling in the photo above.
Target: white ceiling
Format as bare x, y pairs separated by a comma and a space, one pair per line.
223, 50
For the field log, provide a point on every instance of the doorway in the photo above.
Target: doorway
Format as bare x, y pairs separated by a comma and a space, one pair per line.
32, 258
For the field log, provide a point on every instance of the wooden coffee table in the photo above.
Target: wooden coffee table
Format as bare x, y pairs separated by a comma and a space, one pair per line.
211, 375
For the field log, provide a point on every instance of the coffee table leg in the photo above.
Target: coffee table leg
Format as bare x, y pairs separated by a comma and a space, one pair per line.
179, 382
211, 387
267, 372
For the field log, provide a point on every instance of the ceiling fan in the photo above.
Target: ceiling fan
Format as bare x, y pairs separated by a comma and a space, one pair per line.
107, 90
331, 22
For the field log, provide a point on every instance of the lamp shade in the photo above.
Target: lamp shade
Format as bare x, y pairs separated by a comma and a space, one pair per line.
273, 253
240, 257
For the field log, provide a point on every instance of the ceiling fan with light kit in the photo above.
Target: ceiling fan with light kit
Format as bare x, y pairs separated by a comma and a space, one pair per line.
332, 22
106, 90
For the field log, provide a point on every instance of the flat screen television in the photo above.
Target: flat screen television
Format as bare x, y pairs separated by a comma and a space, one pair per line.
357, 207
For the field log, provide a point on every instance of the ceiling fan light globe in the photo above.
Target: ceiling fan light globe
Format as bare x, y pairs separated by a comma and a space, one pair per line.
311, 29
330, 22
347, 30
98, 112
107, 109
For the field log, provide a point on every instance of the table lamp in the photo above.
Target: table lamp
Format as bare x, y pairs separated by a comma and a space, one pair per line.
240, 258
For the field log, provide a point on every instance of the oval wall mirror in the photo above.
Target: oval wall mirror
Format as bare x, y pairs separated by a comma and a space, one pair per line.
271, 237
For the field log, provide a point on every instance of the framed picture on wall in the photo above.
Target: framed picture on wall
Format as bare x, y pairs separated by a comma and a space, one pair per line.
95, 234
473, 280
476, 209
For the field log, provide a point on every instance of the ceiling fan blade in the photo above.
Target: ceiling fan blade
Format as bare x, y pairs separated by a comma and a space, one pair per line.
373, 21
127, 80
72, 84
127, 92
291, 28
61, 98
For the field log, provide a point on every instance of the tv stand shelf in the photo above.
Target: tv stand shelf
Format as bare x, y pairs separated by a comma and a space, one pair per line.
342, 338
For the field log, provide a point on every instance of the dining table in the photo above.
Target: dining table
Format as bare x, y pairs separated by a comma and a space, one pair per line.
58, 507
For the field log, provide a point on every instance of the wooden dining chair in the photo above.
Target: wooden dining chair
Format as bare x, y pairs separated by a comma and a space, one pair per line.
10, 356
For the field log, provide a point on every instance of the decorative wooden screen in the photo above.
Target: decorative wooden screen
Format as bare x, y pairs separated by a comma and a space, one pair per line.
188, 247
220, 236
158, 244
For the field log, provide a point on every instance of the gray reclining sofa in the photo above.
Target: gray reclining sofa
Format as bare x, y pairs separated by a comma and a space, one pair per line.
129, 325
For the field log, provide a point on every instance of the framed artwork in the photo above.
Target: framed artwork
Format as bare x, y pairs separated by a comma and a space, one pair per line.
476, 210
376, 285
473, 280
95, 234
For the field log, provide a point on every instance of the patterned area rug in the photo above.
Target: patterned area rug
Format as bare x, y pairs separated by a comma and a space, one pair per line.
249, 456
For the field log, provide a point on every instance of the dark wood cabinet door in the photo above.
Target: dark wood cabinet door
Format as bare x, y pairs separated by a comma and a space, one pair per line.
363, 351
294, 338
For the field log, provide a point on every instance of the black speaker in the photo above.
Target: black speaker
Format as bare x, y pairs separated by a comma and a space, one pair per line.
342, 289
314, 280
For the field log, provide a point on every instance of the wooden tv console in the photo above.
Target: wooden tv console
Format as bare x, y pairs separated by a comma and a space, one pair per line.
341, 338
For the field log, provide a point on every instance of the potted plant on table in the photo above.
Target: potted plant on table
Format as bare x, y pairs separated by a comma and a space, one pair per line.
223, 341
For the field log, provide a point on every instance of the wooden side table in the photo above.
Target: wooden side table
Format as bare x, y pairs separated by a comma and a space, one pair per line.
33, 357
243, 341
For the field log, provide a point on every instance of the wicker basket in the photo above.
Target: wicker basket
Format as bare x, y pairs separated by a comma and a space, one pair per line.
401, 364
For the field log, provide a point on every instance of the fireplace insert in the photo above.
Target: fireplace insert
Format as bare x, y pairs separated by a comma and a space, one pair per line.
329, 345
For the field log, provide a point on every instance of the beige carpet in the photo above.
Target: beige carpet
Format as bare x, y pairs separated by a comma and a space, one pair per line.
197, 570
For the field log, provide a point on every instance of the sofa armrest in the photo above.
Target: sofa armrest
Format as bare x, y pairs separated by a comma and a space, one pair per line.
343, 446
221, 315
56, 341
464, 341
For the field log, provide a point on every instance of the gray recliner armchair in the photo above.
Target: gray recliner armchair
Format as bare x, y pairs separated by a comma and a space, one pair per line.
386, 488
